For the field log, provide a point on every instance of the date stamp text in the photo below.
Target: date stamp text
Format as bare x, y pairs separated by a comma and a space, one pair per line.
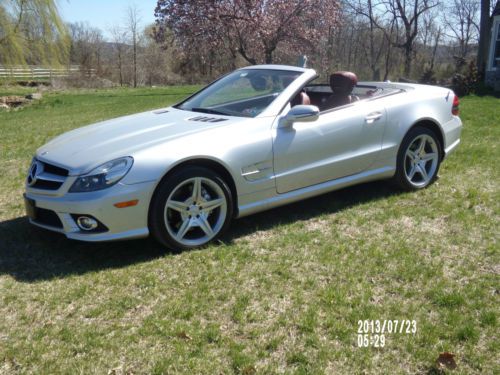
373, 332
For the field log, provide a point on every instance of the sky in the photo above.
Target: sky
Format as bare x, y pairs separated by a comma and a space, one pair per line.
104, 14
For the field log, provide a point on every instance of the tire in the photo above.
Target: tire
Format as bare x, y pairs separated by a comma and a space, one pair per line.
190, 208
418, 163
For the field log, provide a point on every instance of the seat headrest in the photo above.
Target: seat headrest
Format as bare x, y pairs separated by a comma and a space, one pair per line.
258, 83
343, 82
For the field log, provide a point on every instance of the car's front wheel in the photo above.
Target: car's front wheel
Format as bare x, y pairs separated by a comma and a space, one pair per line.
190, 208
419, 159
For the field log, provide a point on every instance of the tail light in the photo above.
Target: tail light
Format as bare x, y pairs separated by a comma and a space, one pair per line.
456, 103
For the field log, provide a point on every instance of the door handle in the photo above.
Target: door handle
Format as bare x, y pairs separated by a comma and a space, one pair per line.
372, 117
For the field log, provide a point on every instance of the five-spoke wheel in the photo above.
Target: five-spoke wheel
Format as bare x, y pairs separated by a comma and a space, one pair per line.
190, 208
418, 159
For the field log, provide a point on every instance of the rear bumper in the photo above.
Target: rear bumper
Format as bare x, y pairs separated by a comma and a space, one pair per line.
452, 131
451, 147
120, 223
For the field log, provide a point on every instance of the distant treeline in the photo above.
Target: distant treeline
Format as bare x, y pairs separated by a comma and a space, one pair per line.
193, 41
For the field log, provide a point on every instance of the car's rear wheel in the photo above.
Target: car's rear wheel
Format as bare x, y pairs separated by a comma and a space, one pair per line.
190, 209
419, 158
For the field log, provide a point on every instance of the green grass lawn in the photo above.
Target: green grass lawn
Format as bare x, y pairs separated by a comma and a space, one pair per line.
282, 292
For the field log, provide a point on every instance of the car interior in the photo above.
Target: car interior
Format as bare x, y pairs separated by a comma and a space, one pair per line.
343, 89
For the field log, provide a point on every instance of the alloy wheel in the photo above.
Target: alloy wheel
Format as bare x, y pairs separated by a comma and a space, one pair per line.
421, 160
195, 211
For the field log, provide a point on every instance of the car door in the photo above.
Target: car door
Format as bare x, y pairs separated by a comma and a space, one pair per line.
342, 142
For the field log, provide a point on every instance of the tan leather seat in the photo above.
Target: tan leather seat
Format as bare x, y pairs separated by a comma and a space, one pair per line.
342, 84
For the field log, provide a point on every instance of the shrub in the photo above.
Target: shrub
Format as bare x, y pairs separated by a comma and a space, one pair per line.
467, 82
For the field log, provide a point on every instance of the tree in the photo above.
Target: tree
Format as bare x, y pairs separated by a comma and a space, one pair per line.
376, 41
153, 60
86, 46
484, 36
460, 19
427, 45
119, 39
434, 32
375, 53
406, 13
253, 29
31, 31
133, 21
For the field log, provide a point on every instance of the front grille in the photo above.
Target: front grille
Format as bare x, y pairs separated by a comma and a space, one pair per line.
58, 171
46, 176
47, 217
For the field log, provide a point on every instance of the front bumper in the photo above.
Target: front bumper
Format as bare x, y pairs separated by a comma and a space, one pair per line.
120, 223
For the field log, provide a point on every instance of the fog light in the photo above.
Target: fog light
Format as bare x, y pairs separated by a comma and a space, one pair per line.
86, 223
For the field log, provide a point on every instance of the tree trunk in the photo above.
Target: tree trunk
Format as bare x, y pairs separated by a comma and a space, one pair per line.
269, 56
387, 65
388, 55
434, 50
373, 56
484, 37
408, 59
243, 54
120, 69
135, 60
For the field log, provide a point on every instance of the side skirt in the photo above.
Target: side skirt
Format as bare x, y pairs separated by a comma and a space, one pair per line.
276, 200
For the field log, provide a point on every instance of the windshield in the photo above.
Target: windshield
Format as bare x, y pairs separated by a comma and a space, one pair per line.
244, 93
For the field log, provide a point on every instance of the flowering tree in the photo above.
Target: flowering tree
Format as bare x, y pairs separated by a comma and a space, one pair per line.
254, 29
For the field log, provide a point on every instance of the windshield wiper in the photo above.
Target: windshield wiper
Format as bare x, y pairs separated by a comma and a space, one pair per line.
208, 110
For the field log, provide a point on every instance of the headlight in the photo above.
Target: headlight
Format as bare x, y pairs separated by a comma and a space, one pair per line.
103, 176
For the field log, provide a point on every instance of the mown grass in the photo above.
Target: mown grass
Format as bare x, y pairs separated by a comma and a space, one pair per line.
282, 292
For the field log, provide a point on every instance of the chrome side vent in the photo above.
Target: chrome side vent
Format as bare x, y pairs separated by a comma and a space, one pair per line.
207, 119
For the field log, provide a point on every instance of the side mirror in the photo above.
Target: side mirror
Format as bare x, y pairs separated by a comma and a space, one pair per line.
299, 113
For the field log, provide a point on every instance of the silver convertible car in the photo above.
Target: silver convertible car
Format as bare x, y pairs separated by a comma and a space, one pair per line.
256, 138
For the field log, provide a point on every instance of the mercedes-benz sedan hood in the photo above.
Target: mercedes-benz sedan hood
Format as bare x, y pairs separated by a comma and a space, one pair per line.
86, 147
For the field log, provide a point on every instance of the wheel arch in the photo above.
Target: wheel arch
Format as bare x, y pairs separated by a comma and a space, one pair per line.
211, 164
432, 125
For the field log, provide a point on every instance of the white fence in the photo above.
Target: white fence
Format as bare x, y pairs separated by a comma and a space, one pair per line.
36, 72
